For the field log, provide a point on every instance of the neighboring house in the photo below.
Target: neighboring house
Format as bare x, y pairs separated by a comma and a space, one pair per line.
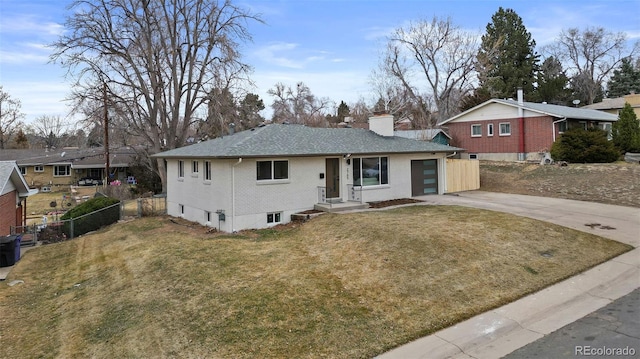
13, 197
435, 135
68, 166
260, 177
614, 105
508, 130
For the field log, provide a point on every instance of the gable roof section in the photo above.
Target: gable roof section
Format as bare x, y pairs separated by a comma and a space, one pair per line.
297, 140
546, 109
9, 171
426, 134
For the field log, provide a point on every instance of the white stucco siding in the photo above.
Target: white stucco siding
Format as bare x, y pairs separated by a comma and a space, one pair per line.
254, 198
197, 195
400, 177
247, 202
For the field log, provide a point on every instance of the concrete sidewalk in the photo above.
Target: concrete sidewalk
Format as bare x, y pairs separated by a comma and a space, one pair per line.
501, 331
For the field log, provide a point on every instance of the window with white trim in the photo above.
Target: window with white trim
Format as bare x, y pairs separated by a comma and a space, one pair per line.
23, 170
505, 129
490, 129
38, 168
476, 130
272, 170
180, 169
274, 217
195, 167
61, 171
370, 171
207, 170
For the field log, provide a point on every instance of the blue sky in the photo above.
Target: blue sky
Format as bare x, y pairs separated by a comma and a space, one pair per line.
330, 45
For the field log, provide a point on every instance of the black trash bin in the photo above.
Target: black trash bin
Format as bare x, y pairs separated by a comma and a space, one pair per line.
9, 250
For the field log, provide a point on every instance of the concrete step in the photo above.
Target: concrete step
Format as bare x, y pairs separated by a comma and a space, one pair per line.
341, 206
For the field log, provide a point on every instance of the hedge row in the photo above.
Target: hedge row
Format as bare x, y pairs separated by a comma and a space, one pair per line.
88, 223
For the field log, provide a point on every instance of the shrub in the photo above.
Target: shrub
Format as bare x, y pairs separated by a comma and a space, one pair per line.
77, 221
625, 132
584, 146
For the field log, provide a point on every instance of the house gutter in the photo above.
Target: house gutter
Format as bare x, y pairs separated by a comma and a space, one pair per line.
553, 127
233, 194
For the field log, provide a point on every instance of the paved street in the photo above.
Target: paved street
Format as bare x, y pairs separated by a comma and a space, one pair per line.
614, 327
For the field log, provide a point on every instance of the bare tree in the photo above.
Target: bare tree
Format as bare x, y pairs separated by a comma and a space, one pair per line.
159, 60
436, 53
299, 105
591, 54
10, 116
49, 130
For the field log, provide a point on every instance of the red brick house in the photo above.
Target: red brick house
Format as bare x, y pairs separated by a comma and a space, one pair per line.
13, 197
508, 130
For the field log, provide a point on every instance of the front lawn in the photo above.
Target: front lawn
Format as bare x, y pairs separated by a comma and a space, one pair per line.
339, 286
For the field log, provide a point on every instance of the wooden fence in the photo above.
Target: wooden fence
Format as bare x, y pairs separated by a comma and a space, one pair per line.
462, 175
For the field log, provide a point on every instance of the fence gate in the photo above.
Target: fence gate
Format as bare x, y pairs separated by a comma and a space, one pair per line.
29, 234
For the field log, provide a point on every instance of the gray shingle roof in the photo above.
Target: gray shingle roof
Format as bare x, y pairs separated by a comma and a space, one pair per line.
547, 109
9, 171
565, 111
296, 140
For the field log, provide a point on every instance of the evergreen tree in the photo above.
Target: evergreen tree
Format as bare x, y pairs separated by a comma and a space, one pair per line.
343, 111
625, 79
625, 132
552, 83
578, 145
250, 108
21, 140
507, 59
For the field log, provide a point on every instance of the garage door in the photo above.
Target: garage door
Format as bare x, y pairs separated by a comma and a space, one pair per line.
424, 177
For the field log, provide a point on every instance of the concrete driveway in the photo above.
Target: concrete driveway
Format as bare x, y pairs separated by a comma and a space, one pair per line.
501, 331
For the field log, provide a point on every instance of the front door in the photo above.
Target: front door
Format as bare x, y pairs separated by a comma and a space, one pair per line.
333, 177
424, 177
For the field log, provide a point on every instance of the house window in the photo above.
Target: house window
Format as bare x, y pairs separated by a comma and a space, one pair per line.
272, 170
181, 206
207, 216
476, 130
584, 125
473, 156
38, 168
275, 217
61, 171
490, 129
562, 126
23, 170
207, 170
195, 167
370, 171
505, 129
180, 169
607, 127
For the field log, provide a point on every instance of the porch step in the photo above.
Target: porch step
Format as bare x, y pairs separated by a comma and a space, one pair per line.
340, 206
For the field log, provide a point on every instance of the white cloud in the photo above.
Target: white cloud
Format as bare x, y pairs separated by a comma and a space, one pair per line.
291, 55
22, 57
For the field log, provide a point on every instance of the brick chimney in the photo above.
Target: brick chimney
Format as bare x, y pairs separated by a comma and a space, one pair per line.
381, 124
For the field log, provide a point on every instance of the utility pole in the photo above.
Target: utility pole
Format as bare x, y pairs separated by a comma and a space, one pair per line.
106, 134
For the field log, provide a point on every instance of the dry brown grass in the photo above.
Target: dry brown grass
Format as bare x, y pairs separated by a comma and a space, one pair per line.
612, 183
339, 286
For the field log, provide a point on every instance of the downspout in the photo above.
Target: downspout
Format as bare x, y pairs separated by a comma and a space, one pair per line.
553, 127
233, 194
521, 148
